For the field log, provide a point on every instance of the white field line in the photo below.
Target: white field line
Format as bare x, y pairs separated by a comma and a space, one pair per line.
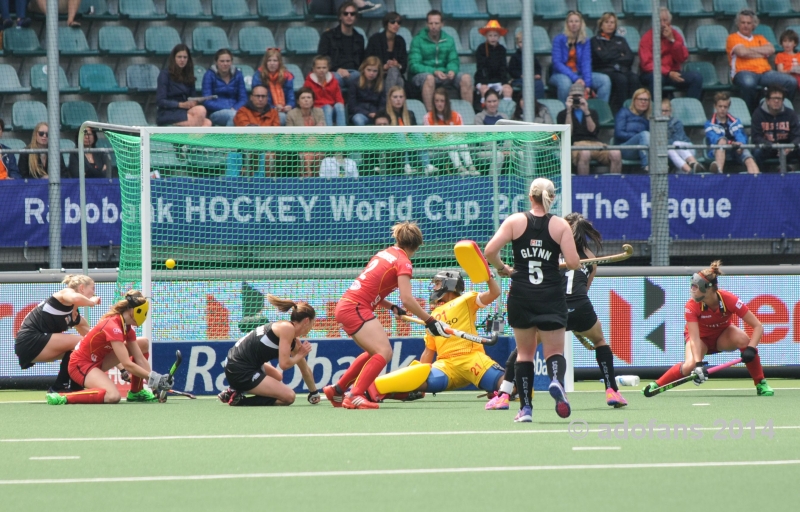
336, 434
592, 448
701, 404
394, 472
57, 457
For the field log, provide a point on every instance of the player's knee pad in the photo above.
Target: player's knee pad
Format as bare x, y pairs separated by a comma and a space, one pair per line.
437, 381
403, 380
490, 379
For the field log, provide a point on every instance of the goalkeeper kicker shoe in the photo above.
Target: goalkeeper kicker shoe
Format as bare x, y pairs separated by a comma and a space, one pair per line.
615, 399
334, 398
145, 395
56, 399
763, 389
560, 396
498, 403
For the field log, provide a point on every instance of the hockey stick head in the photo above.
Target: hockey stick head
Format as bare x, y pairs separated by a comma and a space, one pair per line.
495, 336
162, 395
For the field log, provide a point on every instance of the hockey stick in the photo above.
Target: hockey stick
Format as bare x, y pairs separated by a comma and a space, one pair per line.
182, 393
162, 395
602, 260
684, 380
459, 334
584, 341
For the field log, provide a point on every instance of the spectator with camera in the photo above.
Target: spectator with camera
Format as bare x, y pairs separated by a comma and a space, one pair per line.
585, 125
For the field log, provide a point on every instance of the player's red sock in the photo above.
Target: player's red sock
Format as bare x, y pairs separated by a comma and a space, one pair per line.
672, 375
136, 382
368, 375
87, 396
755, 369
352, 373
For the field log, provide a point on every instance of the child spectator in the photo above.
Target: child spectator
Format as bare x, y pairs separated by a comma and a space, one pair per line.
492, 70
8, 162
34, 165
226, 82
683, 159
279, 82
365, 95
306, 114
788, 61
722, 129
328, 95
176, 84
515, 70
444, 115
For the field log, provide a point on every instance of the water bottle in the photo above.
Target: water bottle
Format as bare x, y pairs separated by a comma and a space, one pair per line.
627, 380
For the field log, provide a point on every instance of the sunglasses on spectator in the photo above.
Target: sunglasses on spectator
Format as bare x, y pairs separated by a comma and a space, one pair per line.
43, 134
350, 13
396, 22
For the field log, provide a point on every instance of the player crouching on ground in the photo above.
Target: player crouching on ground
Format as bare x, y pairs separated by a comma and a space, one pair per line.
709, 330
111, 342
247, 367
459, 362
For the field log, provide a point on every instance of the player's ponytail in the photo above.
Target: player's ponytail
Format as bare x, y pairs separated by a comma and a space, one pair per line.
300, 310
582, 229
543, 192
133, 298
712, 272
408, 235
75, 280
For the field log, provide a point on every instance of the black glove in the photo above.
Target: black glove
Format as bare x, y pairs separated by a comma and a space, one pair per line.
313, 397
124, 375
397, 310
749, 354
436, 327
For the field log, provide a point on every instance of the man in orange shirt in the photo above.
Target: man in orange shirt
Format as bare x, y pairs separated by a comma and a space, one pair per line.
257, 112
750, 69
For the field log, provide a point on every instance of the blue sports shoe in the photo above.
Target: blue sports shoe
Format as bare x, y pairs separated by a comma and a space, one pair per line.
560, 396
525, 415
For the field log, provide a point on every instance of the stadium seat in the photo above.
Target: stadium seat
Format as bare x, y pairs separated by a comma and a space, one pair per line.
139, 10
468, 68
419, 110
710, 80
689, 111
542, 44
301, 40
476, 39
413, 9
711, 38
631, 35
297, 73
740, 111
9, 81
186, 10
199, 73
25, 115
765, 30
117, 40
407, 37
465, 109
504, 9
161, 40
126, 113
462, 10
67, 144
594, 9
255, 40
604, 115
278, 10
74, 113
232, 10
72, 41
452, 32
729, 7
21, 41
507, 107
551, 10
13, 144
692, 49
142, 77
39, 80
207, 40
96, 10
99, 79
637, 8
247, 73
554, 106
363, 34
776, 9
688, 9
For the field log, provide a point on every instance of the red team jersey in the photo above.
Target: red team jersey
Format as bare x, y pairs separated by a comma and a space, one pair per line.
96, 345
379, 278
711, 322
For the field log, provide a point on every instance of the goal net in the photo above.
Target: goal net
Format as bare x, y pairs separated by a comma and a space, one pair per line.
298, 212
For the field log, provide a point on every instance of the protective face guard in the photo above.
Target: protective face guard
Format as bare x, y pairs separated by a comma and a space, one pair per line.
444, 282
701, 282
139, 311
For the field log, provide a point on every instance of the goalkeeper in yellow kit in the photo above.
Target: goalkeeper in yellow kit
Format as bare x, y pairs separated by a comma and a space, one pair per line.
459, 362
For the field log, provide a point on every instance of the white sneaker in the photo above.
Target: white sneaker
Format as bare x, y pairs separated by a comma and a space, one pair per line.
409, 169
430, 169
367, 7
473, 171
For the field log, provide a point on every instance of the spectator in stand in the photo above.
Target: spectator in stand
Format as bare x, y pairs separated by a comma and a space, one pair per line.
515, 70
336, 165
773, 123
68, 7
723, 129
9, 170
343, 45
492, 67
673, 54
400, 115
306, 114
490, 115
682, 158
383, 162
632, 127
750, 69
542, 114
257, 112
572, 61
176, 84
34, 165
330, 7
279, 82
226, 81
328, 95
584, 126
444, 115
788, 61
391, 49
433, 62
612, 56
22, 20
365, 94
95, 165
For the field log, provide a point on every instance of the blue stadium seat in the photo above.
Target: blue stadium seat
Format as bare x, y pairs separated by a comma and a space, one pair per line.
247, 73
199, 73
462, 10
413, 9
476, 39
465, 109
765, 30
142, 77
542, 44
99, 79
117, 40
9, 81
407, 37
776, 9
207, 40
13, 144
301, 40
554, 106
551, 10
25, 115
740, 111
418, 108
139, 10
631, 35
96, 10
505, 9
710, 80
637, 8
66, 144
796, 29
711, 38
74, 113
232, 10
39, 80
278, 10
689, 111
363, 34
161, 40
299, 78
72, 41
594, 9
255, 40
688, 9
126, 113
21, 41
604, 115
186, 10
452, 32
729, 7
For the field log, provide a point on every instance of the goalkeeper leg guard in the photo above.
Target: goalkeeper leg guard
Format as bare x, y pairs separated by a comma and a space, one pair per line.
403, 380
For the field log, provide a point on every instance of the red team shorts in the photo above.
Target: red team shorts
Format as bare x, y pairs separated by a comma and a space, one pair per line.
708, 341
351, 316
78, 369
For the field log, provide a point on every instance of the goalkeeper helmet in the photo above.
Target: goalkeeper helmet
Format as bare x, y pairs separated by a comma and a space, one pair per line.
445, 281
